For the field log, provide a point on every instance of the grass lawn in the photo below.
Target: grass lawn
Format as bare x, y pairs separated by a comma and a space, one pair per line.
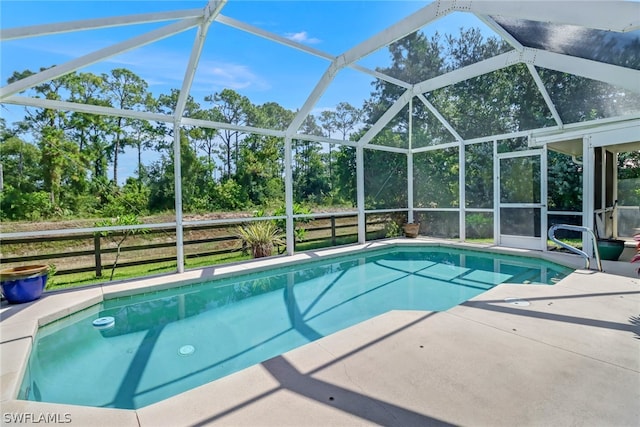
138, 271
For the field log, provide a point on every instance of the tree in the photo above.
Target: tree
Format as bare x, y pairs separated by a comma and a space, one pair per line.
260, 165
479, 175
91, 133
234, 109
309, 179
88, 89
629, 178
206, 138
132, 198
161, 180
385, 179
126, 91
437, 174
564, 180
345, 119
143, 135
21, 183
345, 174
61, 162
19, 161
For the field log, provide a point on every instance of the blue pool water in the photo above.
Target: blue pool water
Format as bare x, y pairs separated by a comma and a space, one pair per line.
166, 342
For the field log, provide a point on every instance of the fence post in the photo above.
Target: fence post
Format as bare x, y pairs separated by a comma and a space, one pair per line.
96, 245
333, 231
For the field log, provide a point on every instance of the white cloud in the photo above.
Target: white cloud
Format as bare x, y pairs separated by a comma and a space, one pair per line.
217, 74
155, 65
319, 110
64, 49
302, 37
165, 68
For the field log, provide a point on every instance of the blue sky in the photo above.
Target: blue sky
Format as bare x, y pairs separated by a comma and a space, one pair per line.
257, 68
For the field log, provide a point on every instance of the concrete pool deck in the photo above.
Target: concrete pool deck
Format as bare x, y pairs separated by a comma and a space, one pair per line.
570, 357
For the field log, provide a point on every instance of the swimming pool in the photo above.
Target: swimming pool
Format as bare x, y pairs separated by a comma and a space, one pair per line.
166, 342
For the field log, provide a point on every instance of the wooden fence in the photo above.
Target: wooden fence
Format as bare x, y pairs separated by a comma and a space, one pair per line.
328, 229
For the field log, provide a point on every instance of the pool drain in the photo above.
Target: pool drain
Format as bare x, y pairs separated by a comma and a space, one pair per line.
186, 350
104, 322
517, 301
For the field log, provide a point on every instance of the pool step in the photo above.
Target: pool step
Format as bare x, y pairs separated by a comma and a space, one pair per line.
528, 276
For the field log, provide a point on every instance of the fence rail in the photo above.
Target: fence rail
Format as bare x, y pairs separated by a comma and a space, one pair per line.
228, 243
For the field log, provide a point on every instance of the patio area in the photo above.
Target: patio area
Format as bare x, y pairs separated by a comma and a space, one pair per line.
570, 357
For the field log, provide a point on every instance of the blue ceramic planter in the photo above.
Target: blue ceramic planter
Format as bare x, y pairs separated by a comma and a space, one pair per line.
23, 284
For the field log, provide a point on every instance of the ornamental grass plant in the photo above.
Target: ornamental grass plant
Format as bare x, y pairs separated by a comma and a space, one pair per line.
261, 237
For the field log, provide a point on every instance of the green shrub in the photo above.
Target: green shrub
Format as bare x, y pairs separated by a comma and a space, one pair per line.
479, 226
392, 229
17, 205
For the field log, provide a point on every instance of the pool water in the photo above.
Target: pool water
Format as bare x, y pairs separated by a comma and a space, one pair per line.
166, 342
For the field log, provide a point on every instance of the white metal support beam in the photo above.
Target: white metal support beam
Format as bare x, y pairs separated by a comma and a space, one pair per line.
588, 192
496, 194
629, 126
99, 55
85, 108
470, 71
230, 126
387, 149
623, 77
93, 24
317, 92
462, 168
288, 195
208, 15
410, 182
186, 121
210, 12
381, 76
239, 25
385, 118
544, 192
362, 220
399, 30
506, 36
177, 174
323, 139
436, 147
440, 117
614, 177
627, 133
603, 15
545, 94
143, 115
